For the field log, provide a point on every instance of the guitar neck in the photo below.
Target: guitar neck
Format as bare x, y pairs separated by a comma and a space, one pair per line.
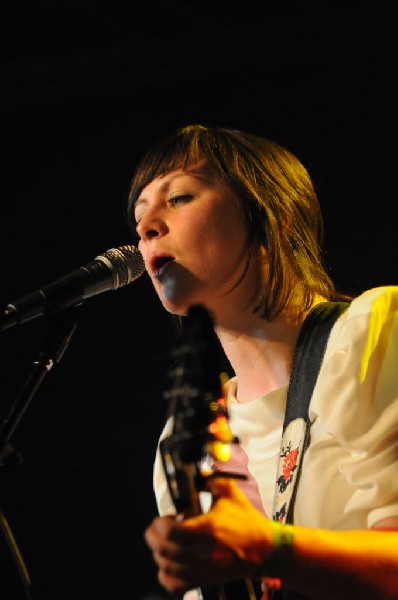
200, 434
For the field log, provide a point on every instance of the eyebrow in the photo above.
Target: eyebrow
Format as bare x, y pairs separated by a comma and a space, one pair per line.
164, 185
203, 173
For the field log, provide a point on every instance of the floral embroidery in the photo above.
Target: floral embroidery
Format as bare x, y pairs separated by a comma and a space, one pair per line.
290, 455
289, 465
280, 515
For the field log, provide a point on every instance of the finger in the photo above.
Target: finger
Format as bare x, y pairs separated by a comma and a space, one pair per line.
226, 488
222, 486
177, 576
172, 539
159, 529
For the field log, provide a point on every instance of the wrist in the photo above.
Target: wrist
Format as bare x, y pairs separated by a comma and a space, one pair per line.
281, 551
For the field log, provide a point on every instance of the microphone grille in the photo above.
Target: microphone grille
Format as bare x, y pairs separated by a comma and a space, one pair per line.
125, 262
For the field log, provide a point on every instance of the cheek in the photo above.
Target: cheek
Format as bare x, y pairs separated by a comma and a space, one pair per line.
226, 231
218, 246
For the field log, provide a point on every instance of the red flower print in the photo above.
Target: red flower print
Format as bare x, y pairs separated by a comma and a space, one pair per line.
289, 465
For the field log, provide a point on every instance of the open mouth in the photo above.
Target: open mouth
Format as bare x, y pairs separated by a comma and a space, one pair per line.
160, 264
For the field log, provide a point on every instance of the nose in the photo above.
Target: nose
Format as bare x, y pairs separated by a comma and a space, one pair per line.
151, 225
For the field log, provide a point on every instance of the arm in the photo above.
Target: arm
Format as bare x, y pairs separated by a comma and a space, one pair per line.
233, 541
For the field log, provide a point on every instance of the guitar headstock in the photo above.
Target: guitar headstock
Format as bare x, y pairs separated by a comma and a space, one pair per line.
201, 432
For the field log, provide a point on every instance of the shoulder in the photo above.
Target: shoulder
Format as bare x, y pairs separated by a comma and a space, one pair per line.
371, 313
375, 301
363, 344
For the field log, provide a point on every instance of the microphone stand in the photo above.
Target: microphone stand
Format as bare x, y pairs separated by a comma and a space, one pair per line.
50, 354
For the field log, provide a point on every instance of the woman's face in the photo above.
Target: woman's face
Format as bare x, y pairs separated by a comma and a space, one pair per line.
192, 237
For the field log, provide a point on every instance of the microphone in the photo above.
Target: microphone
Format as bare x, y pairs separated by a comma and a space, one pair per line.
115, 268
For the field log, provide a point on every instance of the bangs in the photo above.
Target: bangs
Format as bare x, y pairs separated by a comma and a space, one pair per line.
227, 151
176, 151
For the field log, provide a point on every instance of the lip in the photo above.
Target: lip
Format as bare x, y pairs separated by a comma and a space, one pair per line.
159, 263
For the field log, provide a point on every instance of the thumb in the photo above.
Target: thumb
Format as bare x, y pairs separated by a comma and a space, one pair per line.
222, 487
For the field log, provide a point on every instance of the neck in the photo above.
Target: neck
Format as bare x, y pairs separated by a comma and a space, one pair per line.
261, 352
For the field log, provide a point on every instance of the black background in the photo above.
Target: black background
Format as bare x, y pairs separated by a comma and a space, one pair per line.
85, 88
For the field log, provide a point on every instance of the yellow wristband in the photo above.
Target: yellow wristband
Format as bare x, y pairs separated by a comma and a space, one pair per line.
281, 551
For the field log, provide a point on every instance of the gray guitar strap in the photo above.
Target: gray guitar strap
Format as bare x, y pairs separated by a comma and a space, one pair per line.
309, 352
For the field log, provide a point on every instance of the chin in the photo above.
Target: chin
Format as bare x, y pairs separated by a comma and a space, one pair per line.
179, 306
180, 310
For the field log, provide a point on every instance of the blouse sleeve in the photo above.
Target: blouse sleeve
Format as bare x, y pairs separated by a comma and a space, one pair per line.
357, 401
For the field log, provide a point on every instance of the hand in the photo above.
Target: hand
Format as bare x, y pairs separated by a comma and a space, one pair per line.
230, 542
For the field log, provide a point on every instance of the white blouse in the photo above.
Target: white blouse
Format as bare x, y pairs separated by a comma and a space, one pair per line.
349, 478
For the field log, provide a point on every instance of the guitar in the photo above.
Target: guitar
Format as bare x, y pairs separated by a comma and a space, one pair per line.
200, 433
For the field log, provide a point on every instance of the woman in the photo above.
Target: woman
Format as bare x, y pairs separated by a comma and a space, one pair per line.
230, 221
